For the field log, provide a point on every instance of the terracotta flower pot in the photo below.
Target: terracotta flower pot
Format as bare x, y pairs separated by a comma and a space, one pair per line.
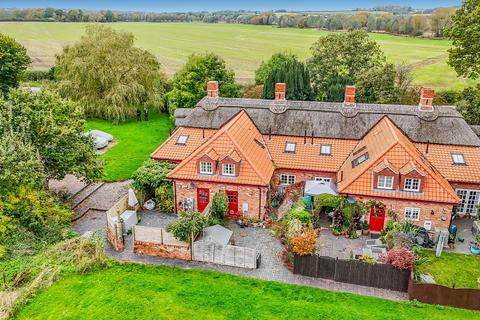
365, 232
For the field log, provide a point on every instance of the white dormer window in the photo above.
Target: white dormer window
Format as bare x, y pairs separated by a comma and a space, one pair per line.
411, 184
326, 149
228, 169
206, 168
385, 182
290, 147
458, 158
182, 139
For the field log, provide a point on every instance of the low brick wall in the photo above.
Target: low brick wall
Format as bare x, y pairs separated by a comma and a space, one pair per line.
114, 238
162, 250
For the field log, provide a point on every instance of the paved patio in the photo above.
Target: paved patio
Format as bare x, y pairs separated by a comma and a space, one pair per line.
464, 231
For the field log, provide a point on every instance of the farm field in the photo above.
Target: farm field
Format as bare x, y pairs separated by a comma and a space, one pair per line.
133, 291
242, 46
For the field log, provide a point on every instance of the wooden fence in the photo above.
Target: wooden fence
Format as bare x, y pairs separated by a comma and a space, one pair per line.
352, 271
234, 256
437, 294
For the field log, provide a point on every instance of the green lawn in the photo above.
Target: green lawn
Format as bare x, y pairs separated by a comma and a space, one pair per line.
135, 142
453, 269
158, 292
242, 46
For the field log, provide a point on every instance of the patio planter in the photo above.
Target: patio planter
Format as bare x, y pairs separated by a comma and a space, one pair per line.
365, 232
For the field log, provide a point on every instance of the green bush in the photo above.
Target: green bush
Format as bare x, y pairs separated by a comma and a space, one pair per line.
187, 226
326, 202
219, 206
165, 200
150, 176
299, 213
37, 75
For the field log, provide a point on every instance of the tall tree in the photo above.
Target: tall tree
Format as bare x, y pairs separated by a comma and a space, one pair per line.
274, 62
339, 59
190, 83
50, 128
295, 75
108, 76
464, 32
13, 63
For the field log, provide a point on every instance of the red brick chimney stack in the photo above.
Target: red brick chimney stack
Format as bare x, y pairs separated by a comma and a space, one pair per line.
212, 89
426, 99
280, 89
350, 92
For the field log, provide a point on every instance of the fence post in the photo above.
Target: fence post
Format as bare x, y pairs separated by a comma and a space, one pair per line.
335, 269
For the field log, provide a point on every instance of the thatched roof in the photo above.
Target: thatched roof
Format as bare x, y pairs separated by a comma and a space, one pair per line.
332, 120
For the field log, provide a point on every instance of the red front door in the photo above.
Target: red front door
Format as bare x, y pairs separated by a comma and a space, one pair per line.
203, 198
377, 219
232, 203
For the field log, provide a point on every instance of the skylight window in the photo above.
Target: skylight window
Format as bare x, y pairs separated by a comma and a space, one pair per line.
458, 158
326, 149
182, 139
290, 147
360, 159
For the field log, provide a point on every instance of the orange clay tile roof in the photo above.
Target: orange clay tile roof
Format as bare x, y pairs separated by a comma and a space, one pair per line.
170, 150
241, 134
409, 167
441, 157
384, 165
385, 140
307, 155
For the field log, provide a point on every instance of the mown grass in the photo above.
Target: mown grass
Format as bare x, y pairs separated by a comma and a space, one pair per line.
242, 46
129, 291
135, 140
453, 269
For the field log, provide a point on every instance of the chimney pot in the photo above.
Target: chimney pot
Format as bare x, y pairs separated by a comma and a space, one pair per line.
350, 92
426, 99
280, 89
212, 89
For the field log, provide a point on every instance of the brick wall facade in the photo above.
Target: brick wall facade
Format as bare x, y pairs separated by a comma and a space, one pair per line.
162, 250
438, 214
255, 197
302, 176
115, 238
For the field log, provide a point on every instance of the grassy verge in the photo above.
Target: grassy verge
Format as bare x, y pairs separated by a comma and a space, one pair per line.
135, 141
453, 269
129, 291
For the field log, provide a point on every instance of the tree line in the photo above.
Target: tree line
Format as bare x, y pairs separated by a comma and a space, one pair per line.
396, 20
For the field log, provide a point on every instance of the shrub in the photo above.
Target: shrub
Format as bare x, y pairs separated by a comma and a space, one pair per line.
326, 202
219, 206
187, 226
150, 176
293, 228
299, 213
401, 258
37, 75
165, 201
305, 243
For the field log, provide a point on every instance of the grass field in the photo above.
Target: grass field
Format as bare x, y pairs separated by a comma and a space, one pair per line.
135, 142
158, 292
242, 46
453, 270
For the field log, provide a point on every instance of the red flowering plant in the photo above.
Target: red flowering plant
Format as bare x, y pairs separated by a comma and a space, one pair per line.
400, 258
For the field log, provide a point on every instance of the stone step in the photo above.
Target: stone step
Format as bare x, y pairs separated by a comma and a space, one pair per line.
84, 194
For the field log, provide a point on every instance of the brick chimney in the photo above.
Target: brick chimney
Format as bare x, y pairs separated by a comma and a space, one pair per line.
212, 89
280, 89
426, 100
350, 92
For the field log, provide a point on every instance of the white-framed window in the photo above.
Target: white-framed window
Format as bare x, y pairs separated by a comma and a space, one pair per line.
287, 179
290, 146
182, 139
458, 158
228, 169
470, 201
412, 214
412, 184
206, 167
323, 179
326, 149
385, 182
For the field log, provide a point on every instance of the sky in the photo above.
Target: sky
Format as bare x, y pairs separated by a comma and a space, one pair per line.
212, 5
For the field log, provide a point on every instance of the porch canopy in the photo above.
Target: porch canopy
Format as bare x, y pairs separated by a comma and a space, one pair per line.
313, 188
217, 234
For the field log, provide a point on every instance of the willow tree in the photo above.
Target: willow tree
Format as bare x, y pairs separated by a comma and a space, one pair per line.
108, 75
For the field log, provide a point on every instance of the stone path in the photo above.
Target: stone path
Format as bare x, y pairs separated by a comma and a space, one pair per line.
271, 267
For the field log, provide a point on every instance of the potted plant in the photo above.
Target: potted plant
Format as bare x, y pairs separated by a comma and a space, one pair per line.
475, 245
365, 228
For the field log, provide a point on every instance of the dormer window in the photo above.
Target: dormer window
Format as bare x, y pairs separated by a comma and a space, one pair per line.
458, 158
326, 149
412, 184
182, 139
290, 147
360, 159
228, 169
206, 168
385, 182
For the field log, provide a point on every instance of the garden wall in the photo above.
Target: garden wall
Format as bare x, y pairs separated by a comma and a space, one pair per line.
234, 256
115, 230
438, 294
157, 242
352, 271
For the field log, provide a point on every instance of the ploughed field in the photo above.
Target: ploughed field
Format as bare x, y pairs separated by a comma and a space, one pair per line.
242, 46
133, 291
